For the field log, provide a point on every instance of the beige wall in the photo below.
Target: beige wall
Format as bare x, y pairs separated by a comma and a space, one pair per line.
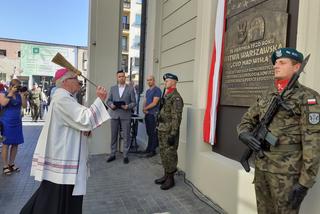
10, 63
308, 41
12, 49
182, 44
103, 64
185, 49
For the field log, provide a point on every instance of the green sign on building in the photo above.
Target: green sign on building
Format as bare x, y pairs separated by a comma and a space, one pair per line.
36, 50
36, 59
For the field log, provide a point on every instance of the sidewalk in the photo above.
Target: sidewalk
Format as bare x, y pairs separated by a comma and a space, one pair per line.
114, 188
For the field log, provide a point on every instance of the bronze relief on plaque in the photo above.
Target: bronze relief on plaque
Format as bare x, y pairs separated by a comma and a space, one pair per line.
251, 37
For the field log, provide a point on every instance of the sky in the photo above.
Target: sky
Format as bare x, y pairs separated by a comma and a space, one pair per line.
51, 21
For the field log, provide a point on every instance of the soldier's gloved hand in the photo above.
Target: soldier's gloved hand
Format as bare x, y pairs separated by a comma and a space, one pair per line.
297, 195
171, 140
248, 139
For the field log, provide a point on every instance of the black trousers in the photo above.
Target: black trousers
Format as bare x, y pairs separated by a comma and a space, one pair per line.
51, 198
153, 142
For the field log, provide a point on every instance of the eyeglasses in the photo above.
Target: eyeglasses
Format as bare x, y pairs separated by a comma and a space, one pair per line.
72, 78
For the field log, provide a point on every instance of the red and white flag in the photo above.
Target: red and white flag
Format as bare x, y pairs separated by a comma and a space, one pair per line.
210, 118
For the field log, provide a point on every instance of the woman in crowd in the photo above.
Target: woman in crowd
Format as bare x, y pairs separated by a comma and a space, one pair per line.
11, 102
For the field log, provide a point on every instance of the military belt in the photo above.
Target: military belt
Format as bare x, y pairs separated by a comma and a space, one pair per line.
286, 148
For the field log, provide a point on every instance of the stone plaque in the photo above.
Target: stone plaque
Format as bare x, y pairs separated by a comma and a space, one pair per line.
251, 37
237, 6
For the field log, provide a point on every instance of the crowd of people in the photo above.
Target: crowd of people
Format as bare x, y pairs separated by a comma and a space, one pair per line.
118, 106
16, 101
283, 175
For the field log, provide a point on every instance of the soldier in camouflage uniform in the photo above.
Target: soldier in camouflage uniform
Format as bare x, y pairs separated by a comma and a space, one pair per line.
169, 120
288, 170
34, 101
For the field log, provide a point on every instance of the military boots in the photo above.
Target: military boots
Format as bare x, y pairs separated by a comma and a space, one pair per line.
169, 183
162, 179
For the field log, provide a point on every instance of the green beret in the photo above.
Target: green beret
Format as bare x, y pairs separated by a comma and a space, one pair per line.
170, 76
287, 53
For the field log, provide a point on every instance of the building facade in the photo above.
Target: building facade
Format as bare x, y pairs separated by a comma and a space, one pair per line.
179, 39
30, 61
130, 38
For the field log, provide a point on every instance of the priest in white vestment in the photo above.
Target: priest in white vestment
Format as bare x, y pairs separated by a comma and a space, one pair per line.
60, 157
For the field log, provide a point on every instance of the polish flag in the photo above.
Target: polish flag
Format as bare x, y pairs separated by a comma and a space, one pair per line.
312, 101
210, 118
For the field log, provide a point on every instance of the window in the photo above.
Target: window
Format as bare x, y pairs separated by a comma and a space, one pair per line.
136, 61
139, 1
136, 42
3, 52
124, 43
138, 19
85, 56
125, 23
3, 76
126, 4
84, 61
84, 65
19, 53
124, 63
125, 20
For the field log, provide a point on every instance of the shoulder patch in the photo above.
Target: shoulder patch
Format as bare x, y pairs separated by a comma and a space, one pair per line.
179, 103
314, 118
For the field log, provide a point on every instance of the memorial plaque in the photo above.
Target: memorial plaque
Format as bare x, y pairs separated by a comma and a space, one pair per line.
251, 37
237, 6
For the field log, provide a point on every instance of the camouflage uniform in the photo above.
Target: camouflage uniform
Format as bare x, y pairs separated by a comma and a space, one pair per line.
296, 158
34, 100
169, 123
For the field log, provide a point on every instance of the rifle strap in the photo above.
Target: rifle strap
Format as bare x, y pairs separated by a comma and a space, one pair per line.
286, 147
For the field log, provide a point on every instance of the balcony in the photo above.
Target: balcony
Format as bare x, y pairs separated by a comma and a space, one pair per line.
125, 26
124, 50
126, 4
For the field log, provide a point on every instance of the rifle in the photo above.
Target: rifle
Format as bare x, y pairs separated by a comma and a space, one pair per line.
161, 105
261, 132
162, 98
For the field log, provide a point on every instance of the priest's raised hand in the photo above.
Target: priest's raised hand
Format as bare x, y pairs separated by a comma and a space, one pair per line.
101, 93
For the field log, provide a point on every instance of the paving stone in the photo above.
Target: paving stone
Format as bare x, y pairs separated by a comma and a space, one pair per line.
113, 188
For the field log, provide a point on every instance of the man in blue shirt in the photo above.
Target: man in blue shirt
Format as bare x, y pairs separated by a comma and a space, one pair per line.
151, 107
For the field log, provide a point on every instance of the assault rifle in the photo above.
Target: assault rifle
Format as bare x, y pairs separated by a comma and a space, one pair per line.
261, 133
161, 105
162, 98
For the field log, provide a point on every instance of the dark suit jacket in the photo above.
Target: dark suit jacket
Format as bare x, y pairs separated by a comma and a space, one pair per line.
128, 97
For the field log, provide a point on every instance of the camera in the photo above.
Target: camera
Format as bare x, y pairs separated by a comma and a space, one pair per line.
22, 88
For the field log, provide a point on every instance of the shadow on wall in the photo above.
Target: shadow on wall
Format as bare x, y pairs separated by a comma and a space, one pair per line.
221, 179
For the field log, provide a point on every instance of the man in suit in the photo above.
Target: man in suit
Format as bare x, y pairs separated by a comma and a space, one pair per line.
121, 101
